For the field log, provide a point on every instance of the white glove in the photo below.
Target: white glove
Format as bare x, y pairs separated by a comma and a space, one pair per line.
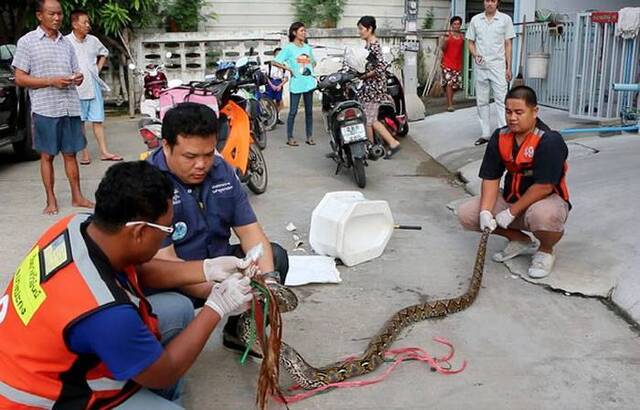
505, 218
219, 269
487, 221
231, 297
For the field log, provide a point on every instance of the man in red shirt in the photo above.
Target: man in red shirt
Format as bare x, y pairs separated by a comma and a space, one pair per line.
452, 46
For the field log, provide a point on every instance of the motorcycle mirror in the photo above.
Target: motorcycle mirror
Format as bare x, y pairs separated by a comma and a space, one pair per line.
132, 66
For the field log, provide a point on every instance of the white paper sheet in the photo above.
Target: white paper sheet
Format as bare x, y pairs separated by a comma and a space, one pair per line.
312, 269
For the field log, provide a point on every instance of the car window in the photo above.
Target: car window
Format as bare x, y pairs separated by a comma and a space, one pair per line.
6, 52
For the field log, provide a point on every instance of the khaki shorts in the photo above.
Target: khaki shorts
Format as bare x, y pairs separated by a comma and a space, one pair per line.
549, 214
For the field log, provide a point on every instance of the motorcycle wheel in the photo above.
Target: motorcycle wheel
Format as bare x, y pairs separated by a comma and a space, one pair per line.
258, 177
359, 173
404, 130
268, 113
259, 133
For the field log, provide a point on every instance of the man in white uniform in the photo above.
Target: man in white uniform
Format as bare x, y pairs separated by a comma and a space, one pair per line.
92, 55
490, 34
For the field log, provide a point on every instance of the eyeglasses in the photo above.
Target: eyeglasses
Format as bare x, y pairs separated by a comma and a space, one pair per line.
165, 229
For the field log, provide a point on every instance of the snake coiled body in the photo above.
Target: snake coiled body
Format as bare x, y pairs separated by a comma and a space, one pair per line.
309, 377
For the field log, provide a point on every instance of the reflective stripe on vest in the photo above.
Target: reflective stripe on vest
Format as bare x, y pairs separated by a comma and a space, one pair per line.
82, 260
105, 384
24, 398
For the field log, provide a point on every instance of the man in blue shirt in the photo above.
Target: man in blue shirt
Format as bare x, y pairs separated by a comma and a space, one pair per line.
209, 202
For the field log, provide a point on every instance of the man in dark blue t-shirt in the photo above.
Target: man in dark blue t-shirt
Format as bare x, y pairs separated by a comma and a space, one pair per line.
535, 196
209, 202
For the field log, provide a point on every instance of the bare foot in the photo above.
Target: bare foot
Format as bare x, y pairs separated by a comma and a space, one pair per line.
82, 203
51, 208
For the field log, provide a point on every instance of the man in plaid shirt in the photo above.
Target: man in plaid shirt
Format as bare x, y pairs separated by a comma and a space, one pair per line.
46, 64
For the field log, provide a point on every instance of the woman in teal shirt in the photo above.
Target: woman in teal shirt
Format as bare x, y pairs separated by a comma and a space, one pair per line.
297, 58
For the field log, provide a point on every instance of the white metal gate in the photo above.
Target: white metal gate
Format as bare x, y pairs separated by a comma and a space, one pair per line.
554, 90
601, 59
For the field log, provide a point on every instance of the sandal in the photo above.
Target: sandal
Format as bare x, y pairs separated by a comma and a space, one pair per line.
392, 152
115, 158
292, 143
85, 162
310, 141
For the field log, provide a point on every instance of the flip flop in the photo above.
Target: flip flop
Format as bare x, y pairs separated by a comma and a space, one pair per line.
114, 158
292, 143
392, 152
83, 162
310, 141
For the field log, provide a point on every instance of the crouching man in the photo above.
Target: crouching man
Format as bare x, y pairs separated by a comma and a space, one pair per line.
77, 332
535, 196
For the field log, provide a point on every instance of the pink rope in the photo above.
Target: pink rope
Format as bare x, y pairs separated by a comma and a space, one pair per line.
398, 356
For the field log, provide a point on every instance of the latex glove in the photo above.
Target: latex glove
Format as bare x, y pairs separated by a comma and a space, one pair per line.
505, 218
220, 268
231, 297
487, 221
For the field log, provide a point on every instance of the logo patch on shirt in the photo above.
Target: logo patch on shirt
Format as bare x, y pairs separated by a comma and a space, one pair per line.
221, 187
176, 197
179, 231
528, 152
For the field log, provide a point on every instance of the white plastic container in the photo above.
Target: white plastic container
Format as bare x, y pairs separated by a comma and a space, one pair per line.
537, 65
346, 225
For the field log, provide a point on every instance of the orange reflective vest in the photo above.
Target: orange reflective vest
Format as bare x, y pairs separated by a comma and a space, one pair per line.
56, 285
521, 166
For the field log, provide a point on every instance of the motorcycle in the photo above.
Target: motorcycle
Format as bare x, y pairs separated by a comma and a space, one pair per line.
394, 115
344, 120
154, 81
248, 73
235, 142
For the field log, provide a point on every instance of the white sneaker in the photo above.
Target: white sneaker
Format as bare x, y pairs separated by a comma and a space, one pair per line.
541, 265
515, 248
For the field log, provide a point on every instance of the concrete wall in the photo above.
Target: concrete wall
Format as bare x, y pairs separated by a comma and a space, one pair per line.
572, 6
277, 15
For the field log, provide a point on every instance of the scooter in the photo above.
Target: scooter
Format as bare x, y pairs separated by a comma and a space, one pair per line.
154, 81
394, 116
235, 140
344, 120
252, 79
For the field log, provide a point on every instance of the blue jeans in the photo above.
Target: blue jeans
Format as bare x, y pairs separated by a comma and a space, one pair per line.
308, 112
175, 312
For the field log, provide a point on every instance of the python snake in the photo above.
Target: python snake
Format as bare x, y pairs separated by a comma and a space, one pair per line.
309, 377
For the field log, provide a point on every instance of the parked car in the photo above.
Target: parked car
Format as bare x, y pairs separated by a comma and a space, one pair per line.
15, 111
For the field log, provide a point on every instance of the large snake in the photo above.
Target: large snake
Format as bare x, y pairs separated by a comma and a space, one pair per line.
309, 377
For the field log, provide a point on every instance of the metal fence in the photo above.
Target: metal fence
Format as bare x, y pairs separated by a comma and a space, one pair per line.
554, 90
600, 60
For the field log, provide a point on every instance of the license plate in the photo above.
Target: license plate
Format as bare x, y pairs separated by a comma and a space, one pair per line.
352, 133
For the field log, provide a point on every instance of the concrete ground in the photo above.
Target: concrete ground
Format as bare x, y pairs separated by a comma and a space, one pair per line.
526, 347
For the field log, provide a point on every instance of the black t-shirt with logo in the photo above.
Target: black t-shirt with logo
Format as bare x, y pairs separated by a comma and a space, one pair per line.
548, 164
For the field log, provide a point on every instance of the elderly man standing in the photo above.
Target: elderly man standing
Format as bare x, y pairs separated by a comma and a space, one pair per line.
92, 55
46, 64
490, 34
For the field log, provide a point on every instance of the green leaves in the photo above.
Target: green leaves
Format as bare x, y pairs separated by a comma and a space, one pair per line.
114, 18
321, 13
